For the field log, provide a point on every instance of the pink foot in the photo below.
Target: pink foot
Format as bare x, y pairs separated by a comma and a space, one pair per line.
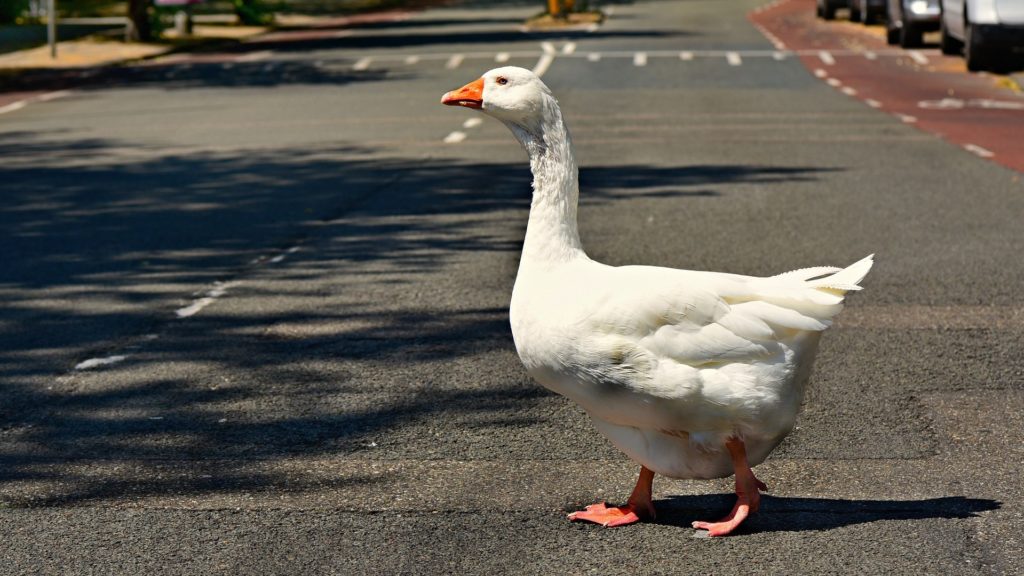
601, 514
748, 494
726, 525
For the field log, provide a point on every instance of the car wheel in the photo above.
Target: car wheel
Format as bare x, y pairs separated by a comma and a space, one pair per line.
868, 16
828, 11
910, 36
892, 34
950, 46
974, 51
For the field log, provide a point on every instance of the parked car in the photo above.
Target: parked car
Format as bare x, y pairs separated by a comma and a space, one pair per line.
867, 11
989, 32
908, 20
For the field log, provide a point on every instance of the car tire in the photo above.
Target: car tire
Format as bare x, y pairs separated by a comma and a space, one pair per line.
892, 34
910, 36
950, 46
828, 10
975, 52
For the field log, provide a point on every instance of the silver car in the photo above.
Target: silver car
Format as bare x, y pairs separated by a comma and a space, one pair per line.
990, 32
908, 20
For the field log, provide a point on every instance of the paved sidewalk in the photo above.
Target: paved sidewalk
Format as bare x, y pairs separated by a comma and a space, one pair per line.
99, 51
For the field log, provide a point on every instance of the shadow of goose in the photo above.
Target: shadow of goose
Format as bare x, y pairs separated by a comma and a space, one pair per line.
817, 514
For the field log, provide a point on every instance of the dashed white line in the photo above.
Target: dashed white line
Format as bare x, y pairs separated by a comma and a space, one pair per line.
362, 64
454, 61
219, 289
820, 73
826, 57
979, 150
779, 55
594, 57
640, 59
501, 57
543, 63
410, 60
918, 57
733, 59
569, 48
472, 123
849, 91
907, 119
97, 362
873, 103
686, 56
455, 137
833, 82
547, 47
870, 55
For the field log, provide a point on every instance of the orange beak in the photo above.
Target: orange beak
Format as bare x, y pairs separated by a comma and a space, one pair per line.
471, 95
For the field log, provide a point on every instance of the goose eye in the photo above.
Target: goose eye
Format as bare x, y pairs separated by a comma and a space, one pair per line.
502, 80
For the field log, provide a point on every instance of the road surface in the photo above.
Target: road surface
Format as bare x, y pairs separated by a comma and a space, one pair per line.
255, 316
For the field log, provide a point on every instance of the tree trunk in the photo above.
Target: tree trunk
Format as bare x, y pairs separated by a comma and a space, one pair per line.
138, 29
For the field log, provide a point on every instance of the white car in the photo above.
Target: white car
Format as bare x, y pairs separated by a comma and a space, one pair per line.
990, 32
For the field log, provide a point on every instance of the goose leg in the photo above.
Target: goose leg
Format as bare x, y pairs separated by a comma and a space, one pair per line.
639, 507
748, 495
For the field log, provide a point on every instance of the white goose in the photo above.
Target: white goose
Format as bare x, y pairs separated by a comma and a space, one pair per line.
691, 374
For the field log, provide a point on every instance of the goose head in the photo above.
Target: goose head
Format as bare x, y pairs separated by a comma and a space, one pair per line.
511, 94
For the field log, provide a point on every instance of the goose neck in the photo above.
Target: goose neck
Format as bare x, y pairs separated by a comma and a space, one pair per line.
552, 233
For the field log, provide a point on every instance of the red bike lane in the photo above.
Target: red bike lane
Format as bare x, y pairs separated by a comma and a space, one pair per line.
980, 112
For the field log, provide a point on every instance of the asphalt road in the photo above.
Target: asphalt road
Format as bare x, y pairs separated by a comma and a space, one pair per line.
255, 319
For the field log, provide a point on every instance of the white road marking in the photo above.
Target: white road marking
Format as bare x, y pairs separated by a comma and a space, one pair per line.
833, 82
826, 57
820, 73
569, 48
918, 57
362, 64
870, 55
979, 150
543, 63
779, 55
219, 289
410, 60
547, 47
97, 362
455, 137
873, 103
54, 95
255, 56
686, 55
594, 56
906, 118
454, 61
13, 106
733, 59
472, 123
849, 91
501, 57
640, 59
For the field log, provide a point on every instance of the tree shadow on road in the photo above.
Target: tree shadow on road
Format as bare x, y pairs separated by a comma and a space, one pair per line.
371, 335
779, 514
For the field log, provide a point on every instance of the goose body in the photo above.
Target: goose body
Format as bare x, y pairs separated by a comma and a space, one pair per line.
691, 374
